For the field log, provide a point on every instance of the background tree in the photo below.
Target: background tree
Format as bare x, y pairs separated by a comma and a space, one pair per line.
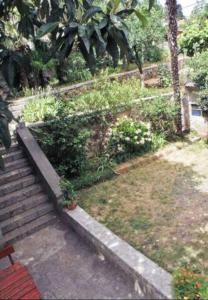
148, 38
51, 28
180, 15
171, 7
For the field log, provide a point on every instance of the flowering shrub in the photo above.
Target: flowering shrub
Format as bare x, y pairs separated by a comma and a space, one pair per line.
189, 285
128, 136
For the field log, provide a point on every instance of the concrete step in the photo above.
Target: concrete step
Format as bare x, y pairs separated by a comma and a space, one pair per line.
26, 217
13, 165
15, 174
12, 156
17, 185
30, 228
22, 206
14, 147
20, 195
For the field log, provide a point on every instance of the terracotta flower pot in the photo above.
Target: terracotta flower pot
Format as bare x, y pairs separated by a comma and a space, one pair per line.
72, 206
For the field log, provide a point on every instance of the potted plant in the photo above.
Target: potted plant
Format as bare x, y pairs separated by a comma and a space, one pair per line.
70, 196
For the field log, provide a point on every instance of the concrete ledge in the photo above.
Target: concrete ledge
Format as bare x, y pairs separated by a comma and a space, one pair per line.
150, 280
43, 167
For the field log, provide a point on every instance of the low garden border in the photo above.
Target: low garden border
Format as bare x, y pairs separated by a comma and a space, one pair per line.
150, 280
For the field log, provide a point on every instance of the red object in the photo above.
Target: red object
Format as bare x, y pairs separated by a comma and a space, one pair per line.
7, 251
15, 281
72, 206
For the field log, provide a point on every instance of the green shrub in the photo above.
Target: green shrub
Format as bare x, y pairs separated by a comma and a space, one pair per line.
76, 70
129, 137
40, 109
158, 141
194, 37
64, 143
199, 70
70, 196
164, 75
203, 101
189, 284
161, 113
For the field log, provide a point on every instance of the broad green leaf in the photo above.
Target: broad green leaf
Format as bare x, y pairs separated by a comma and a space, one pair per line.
46, 28
71, 8
91, 12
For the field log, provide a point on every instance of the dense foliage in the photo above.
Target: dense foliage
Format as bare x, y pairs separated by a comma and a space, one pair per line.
89, 144
190, 284
161, 114
105, 95
164, 75
203, 101
147, 41
198, 69
128, 137
195, 32
33, 32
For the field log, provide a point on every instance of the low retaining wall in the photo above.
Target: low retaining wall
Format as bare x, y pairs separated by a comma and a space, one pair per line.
44, 169
150, 280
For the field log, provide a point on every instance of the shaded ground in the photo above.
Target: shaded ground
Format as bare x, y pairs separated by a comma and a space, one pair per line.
64, 267
161, 207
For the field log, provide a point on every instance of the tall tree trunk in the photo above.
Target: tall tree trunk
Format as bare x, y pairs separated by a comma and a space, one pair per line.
171, 7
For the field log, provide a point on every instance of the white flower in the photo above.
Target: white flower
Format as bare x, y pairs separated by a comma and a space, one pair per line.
148, 125
138, 131
142, 141
127, 139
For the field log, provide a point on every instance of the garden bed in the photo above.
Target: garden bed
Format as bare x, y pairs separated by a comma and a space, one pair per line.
160, 207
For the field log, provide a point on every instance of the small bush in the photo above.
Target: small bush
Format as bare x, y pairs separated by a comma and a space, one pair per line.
161, 113
203, 101
76, 70
64, 144
69, 193
164, 76
40, 109
128, 137
189, 284
198, 69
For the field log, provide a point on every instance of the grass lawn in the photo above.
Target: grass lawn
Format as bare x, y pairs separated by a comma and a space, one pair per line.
160, 207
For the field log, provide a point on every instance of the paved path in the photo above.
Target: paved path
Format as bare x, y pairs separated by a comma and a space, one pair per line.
64, 267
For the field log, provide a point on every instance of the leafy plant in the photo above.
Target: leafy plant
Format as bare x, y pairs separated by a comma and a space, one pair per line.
161, 114
76, 70
105, 95
147, 40
164, 75
95, 29
37, 110
70, 196
64, 142
190, 284
128, 137
203, 101
194, 37
198, 69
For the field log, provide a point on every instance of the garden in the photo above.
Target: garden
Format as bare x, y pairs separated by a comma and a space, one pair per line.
118, 145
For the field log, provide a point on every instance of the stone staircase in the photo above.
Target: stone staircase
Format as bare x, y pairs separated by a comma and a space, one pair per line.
24, 206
